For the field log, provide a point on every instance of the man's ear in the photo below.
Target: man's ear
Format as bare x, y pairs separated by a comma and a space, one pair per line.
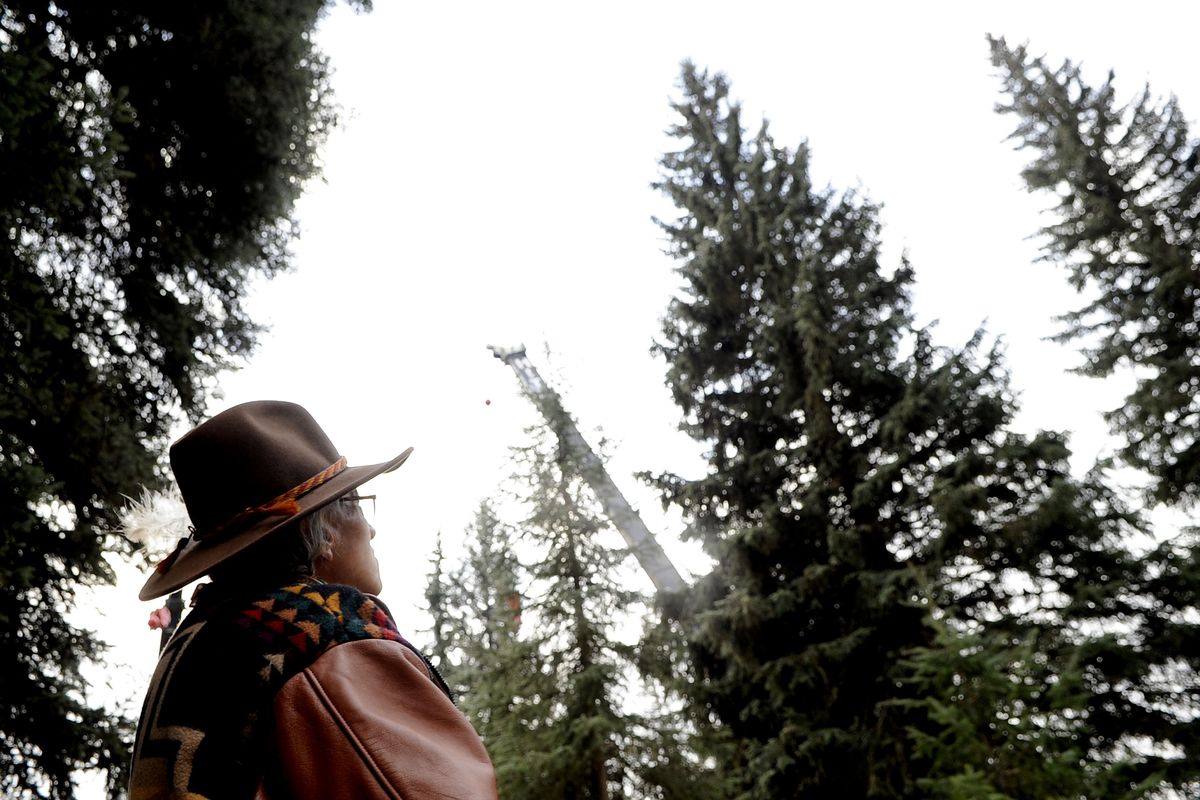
326, 551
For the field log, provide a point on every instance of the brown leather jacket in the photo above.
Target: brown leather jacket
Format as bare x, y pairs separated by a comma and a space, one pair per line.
306, 691
366, 720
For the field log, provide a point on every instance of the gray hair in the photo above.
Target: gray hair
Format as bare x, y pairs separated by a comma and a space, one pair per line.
287, 554
317, 529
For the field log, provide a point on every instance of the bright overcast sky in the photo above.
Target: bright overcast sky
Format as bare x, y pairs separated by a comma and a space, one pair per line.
490, 184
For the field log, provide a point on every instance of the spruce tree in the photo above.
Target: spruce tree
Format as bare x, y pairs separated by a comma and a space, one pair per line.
1046, 678
498, 677
1126, 182
1126, 226
531, 645
151, 155
872, 520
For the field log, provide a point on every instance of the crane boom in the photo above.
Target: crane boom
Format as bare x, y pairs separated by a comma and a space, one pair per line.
642, 544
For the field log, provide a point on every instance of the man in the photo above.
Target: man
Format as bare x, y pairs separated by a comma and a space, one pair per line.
289, 678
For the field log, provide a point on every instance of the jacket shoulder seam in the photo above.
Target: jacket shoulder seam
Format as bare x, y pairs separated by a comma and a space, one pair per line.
348, 732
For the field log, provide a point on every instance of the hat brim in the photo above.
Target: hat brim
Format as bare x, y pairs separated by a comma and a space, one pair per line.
198, 557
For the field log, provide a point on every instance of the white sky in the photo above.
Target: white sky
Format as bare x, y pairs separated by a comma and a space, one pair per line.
490, 185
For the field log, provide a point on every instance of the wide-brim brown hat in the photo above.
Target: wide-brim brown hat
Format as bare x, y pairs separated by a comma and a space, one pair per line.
245, 473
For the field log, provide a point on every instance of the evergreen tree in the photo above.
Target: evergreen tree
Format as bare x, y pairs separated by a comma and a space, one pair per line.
151, 155
1127, 227
1044, 679
1125, 177
543, 677
879, 536
476, 609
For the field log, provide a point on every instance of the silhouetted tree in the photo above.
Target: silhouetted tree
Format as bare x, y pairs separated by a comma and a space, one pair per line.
151, 156
1127, 227
895, 569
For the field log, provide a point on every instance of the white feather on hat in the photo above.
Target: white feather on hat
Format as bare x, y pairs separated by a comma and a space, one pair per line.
156, 520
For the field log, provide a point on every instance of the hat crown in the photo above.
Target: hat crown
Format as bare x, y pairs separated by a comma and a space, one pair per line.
246, 456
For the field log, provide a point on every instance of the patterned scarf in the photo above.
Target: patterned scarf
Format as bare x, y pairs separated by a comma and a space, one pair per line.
207, 715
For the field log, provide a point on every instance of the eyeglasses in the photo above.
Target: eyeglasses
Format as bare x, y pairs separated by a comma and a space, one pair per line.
363, 502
